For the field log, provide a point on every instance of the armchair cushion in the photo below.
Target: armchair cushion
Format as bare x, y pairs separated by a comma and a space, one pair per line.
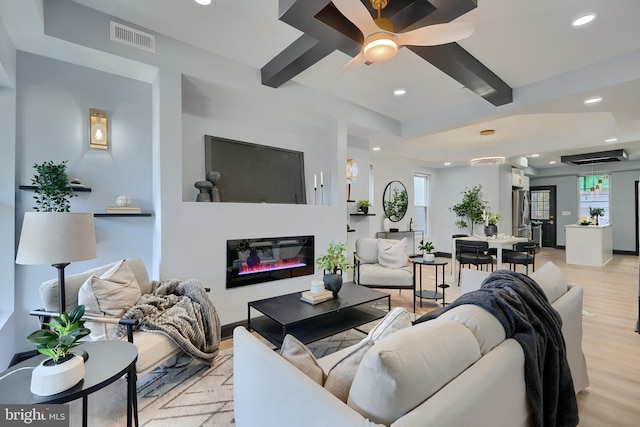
393, 254
367, 250
110, 295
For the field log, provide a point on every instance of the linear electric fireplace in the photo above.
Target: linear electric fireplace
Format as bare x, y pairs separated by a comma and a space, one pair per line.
251, 261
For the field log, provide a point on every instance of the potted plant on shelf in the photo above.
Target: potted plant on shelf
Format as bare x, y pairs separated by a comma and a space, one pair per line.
333, 263
63, 369
491, 229
363, 205
427, 249
471, 208
595, 213
52, 187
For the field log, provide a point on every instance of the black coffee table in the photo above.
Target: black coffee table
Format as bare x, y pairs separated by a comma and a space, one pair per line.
108, 361
286, 314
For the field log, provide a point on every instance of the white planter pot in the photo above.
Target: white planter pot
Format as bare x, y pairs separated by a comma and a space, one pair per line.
386, 224
429, 257
48, 380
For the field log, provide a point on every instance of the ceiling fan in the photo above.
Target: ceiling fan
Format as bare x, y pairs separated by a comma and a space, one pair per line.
382, 44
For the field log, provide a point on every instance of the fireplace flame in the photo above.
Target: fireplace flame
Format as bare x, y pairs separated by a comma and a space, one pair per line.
270, 266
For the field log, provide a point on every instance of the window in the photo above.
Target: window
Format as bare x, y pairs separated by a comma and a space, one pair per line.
421, 202
540, 205
594, 193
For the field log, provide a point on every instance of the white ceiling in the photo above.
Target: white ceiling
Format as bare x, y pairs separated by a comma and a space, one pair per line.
531, 45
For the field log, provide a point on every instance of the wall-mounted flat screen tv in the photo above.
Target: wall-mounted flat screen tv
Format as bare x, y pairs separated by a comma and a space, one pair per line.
255, 173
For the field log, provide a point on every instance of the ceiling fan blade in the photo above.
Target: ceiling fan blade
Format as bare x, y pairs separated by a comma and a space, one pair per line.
357, 61
358, 14
433, 35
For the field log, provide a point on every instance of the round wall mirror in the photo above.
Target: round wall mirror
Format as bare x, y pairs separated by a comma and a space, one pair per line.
395, 200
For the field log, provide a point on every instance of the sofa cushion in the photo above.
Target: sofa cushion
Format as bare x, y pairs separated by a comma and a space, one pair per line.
377, 275
110, 295
393, 253
340, 376
153, 348
367, 250
398, 318
407, 367
296, 353
484, 326
551, 280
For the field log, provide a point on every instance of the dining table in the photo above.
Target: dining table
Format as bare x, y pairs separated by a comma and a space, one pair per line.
499, 242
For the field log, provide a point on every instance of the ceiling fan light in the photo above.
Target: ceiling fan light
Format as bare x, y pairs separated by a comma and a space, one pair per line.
380, 47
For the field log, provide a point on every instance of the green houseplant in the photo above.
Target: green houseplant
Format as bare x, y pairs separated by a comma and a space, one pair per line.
363, 205
63, 369
471, 208
52, 187
595, 213
491, 229
427, 248
333, 263
396, 207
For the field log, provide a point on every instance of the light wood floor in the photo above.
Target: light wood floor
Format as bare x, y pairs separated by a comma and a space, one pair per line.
610, 344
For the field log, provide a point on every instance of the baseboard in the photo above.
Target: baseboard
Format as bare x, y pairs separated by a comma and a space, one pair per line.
619, 252
226, 331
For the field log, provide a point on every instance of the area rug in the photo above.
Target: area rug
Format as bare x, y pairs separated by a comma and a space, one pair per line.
187, 395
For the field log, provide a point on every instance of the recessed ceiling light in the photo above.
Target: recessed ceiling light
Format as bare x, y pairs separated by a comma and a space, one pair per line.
447, 163
203, 2
376, 148
592, 100
552, 162
584, 20
400, 91
609, 140
534, 155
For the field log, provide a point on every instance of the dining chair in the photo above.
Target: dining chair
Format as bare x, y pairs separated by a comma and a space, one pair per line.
524, 254
470, 252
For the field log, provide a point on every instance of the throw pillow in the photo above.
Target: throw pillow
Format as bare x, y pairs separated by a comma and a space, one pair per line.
398, 318
296, 353
393, 253
340, 376
551, 280
110, 295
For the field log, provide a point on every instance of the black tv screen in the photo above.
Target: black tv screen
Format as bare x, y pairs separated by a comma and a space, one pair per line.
255, 173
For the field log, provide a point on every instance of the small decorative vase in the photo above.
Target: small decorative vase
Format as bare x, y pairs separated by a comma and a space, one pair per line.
253, 259
365, 209
49, 378
386, 224
333, 281
491, 230
428, 257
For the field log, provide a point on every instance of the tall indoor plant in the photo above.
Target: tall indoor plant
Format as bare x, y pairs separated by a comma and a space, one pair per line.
471, 208
333, 263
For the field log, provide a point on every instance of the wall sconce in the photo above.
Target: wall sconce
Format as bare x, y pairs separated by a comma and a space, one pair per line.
352, 168
98, 129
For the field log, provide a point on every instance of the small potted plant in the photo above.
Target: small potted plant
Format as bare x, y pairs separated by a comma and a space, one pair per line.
595, 213
491, 229
427, 249
363, 205
52, 187
333, 263
63, 369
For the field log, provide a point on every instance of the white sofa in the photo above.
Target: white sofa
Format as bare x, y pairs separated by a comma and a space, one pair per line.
456, 370
154, 349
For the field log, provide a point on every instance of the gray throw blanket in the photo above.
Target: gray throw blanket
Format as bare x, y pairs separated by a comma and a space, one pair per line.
522, 308
182, 311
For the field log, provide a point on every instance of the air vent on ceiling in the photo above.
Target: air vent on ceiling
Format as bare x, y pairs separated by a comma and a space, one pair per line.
599, 157
131, 37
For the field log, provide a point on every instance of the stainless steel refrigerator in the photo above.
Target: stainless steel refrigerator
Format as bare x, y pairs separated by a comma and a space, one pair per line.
520, 213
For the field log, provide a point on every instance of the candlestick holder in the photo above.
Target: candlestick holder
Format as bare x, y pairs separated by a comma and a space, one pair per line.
322, 194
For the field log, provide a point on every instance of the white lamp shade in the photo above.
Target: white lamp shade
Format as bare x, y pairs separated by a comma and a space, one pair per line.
56, 238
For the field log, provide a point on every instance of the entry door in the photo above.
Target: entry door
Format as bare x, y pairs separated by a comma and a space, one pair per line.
543, 210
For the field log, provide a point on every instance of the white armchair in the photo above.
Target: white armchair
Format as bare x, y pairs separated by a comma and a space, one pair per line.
383, 263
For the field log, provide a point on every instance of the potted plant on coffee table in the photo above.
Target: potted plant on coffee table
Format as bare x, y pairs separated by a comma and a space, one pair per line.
333, 263
427, 249
62, 370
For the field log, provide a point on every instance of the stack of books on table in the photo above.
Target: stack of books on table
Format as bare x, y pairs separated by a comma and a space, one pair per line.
311, 298
123, 210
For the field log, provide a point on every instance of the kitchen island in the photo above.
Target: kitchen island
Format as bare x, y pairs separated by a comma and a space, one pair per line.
588, 244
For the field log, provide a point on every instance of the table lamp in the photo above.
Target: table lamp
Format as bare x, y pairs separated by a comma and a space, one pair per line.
57, 238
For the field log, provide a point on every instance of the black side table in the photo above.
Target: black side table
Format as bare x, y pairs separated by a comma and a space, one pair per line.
108, 361
435, 295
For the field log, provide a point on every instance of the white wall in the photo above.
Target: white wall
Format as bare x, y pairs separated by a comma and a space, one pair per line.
7, 194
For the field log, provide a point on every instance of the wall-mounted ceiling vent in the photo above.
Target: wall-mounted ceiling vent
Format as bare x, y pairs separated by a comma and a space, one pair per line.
599, 157
131, 37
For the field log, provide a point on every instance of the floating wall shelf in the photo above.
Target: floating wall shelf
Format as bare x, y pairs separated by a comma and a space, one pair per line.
33, 187
102, 215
